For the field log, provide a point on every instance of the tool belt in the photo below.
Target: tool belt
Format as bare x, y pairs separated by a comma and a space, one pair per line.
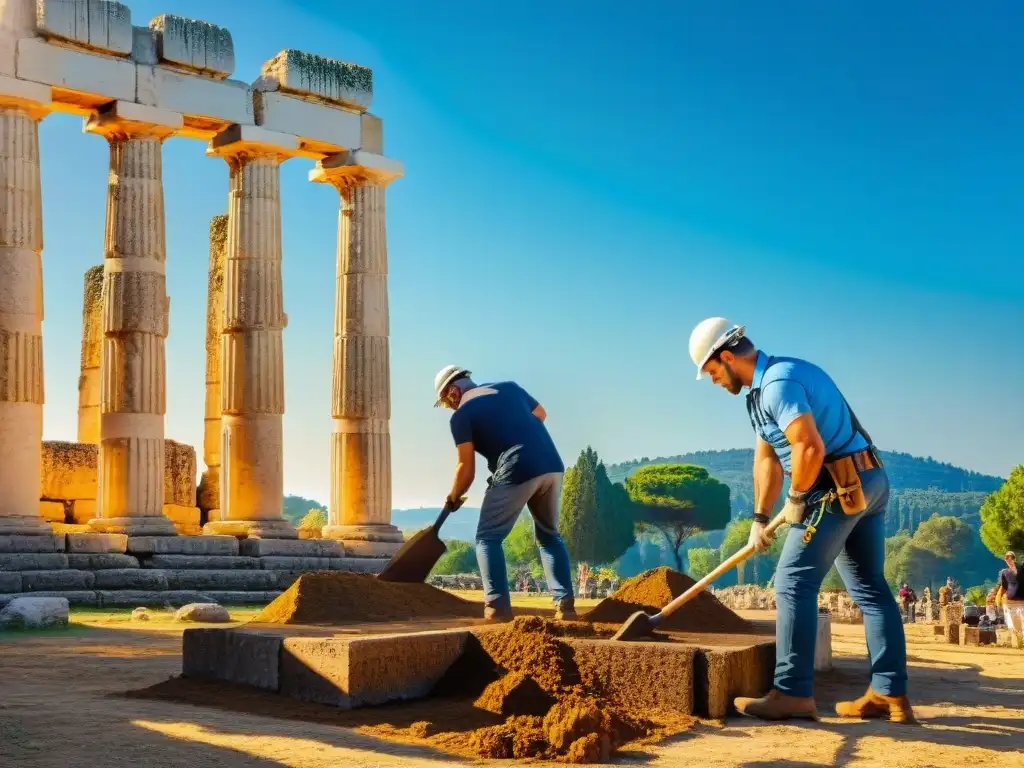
845, 474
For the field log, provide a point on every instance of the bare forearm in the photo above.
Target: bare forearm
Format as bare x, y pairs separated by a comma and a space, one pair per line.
767, 484
806, 460
464, 474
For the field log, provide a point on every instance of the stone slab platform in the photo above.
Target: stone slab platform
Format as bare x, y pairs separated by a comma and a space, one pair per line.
357, 665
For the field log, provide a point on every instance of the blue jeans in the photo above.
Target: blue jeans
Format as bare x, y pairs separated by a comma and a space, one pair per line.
499, 512
856, 544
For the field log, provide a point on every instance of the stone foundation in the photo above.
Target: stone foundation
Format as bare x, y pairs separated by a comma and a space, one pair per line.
113, 570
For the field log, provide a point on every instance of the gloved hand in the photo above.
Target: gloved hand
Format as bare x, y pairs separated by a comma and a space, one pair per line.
794, 508
759, 538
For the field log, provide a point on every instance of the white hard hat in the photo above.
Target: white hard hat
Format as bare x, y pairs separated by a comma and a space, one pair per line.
710, 336
446, 376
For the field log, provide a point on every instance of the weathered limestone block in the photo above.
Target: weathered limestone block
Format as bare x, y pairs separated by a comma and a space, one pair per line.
201, 562
144, 46
10, 582
14, 543
185, 519
35, 613
209, 106
358, 564
69, 470
247, 658
133, 597
100, 24
951, 613
320, 77
179, 474
978, 636
52, 511
131, 578
74, 597
83, 510
197, 45
209, 487
76, 73
223, 580
291, 548
17, 20
349, 672
101, 562
34, 581
33, 561
92, 345
96, 543
321, 128
185, 545
371, 134
367, 549
207, 613
295, 563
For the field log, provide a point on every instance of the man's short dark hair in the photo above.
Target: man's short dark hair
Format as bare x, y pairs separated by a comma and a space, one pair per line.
742, 347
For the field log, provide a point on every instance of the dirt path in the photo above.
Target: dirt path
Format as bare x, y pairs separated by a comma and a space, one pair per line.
59, 707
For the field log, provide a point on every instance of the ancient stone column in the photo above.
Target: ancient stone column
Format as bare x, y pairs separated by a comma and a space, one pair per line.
22, 106
92, 345
209, 486
360, 505
130, 493
252, 360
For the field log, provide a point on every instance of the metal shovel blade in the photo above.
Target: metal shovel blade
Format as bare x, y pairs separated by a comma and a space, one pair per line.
414, 561
636, 627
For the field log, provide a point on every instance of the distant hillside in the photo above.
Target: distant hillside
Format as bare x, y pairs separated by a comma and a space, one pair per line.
296, 507
460, 525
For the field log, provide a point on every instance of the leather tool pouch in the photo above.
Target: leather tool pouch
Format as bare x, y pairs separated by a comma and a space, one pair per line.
848, 486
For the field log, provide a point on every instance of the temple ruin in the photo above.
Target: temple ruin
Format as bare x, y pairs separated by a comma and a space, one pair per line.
122, 483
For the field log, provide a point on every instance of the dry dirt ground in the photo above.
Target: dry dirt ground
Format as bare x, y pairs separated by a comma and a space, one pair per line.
60, 707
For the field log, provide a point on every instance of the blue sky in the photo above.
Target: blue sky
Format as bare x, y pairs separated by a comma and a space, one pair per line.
585, 181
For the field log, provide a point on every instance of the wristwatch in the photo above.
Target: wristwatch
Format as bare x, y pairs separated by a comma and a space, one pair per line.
761, 517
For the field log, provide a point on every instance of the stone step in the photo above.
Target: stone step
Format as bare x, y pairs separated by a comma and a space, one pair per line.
201, 562
26, 544
74, 597
279, 563
101, 562
35, 581
223, 580
10, 581
241, 598
291, 548
96, 543
132, 578
133, 598
182, 545
33, 561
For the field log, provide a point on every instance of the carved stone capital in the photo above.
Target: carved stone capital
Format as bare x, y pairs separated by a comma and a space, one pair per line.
355, 169
119, 120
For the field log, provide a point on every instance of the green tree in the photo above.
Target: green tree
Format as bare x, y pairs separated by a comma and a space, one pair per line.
940, 547
1002, 516
521, 543
833, 582
596, 521
460, 558
315, 518
702, 561
678, 500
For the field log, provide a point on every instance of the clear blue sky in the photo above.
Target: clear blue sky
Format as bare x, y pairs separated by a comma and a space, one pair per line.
586, 181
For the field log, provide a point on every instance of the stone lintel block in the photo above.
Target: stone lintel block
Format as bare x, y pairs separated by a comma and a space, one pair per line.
235, 597
318, 77
118, 118
144, 46
244, 657
35, 581
371, 134
101, 562
96, 543
202, 562
10, 582
321, 128
240, 580
182, 545
251, 139
83, 510
69, 470
74, 597
348, 672
100, 24
355, 168
280, 563
52, 511
132, 578
131, 598
19, 544
33, 561
208, 106
291, 548
79, 79
196, 45
33, 97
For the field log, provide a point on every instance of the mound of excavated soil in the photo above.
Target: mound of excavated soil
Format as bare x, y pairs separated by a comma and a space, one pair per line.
522, 673
653, 590
334, 597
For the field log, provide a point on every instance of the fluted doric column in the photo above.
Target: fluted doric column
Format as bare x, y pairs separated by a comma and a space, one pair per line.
252, 359
130, 494
22, 106
92, 347
360, 503
209, 486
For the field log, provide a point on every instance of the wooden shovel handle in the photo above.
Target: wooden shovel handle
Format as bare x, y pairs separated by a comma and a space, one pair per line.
728, 565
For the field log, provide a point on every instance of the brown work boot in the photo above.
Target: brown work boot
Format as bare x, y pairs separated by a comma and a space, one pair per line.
777, 706
871, 704
497, 615
566, 609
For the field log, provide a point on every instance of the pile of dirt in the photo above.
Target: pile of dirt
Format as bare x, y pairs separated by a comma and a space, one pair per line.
335, 597
653, 590
522, 673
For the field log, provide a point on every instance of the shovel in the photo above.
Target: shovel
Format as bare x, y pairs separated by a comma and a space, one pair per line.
413, 562
640, 625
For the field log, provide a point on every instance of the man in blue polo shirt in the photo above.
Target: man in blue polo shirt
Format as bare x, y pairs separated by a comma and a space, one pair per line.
805, 430
505, 424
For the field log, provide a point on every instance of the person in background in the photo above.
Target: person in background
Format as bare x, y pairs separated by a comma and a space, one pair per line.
991, 600
1012, 598
905, 595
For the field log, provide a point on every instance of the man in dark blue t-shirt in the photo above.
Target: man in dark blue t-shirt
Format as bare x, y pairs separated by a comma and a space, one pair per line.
505, 424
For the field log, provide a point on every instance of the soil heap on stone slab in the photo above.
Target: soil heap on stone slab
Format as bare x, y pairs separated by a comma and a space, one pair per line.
653, 590
336, 597
522, 673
